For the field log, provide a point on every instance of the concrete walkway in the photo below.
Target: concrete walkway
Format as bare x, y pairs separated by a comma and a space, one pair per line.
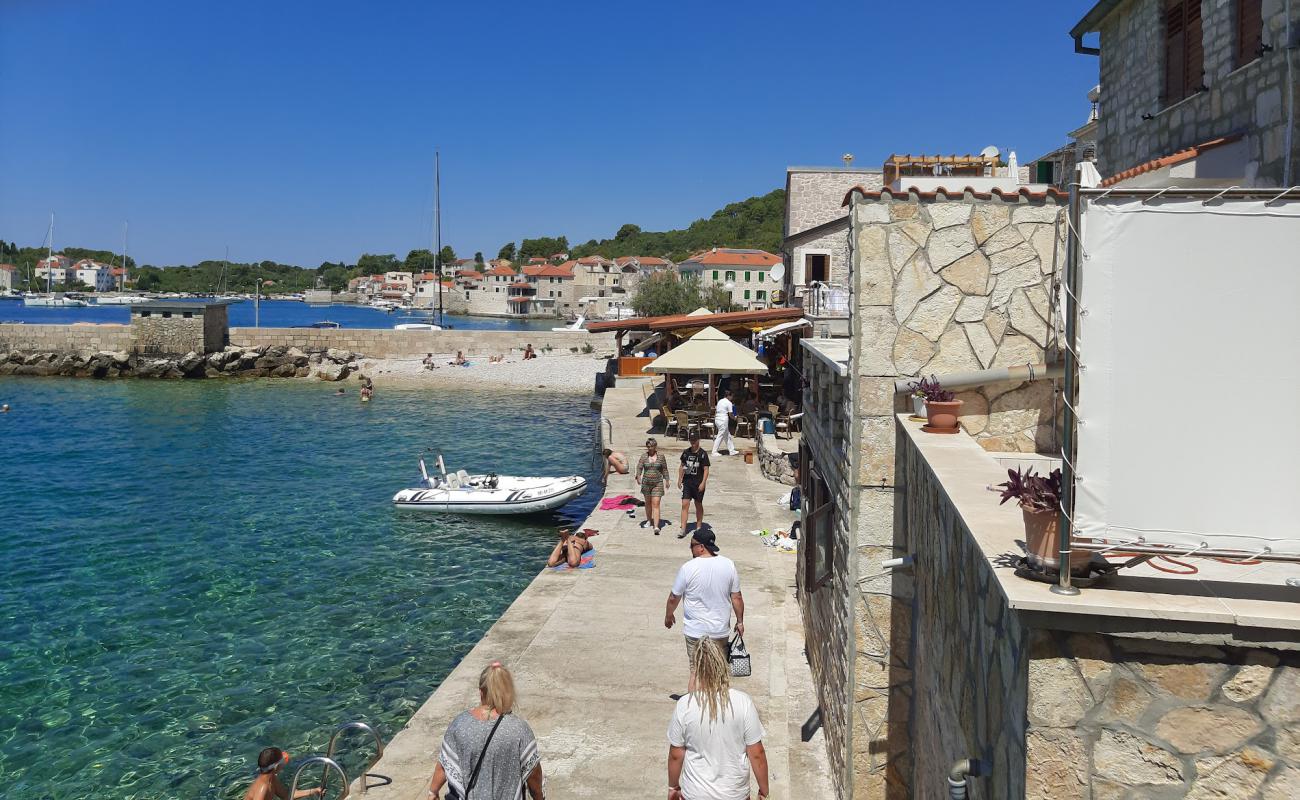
594, 665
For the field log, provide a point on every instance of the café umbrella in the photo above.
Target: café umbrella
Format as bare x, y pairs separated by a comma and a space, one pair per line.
709, 352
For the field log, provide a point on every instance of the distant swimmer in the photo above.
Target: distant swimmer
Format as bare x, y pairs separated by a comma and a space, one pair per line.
4, 409
267, 784
366, 392
339, 393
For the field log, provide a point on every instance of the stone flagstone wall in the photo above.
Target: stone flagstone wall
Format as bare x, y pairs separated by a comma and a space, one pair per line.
963, 285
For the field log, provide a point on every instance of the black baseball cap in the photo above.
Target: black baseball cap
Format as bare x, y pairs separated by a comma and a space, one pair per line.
705, 538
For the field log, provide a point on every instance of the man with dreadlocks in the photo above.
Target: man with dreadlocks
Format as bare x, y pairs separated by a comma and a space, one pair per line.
714, 737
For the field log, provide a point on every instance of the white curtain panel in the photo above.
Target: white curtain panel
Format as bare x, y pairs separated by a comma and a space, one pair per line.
1189, 397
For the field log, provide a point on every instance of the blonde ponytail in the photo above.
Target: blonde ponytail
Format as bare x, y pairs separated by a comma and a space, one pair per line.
497, 687
712, 680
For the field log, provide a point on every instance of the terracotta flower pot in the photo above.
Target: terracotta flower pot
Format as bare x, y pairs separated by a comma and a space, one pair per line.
942, 416
1042, 543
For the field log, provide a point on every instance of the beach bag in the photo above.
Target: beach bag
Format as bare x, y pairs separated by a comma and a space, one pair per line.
452, 794
741, 666
796, 499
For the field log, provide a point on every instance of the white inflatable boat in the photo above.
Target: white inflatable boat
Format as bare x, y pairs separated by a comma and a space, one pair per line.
462, 493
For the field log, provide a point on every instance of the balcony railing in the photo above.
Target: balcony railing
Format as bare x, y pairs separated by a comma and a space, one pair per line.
826, 300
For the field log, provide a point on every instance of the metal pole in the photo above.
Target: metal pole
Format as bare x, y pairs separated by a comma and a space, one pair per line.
1063, 586
257, 303
437, 227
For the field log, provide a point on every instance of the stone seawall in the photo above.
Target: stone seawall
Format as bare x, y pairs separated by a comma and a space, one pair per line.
395, 344
84, 339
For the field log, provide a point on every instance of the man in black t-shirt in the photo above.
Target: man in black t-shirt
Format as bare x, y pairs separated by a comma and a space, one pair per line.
692, 477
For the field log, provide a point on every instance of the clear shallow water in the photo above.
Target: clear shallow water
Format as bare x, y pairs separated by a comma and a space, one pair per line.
194, 570
274, 314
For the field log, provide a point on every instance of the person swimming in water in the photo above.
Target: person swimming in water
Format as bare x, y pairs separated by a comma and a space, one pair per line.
267, 785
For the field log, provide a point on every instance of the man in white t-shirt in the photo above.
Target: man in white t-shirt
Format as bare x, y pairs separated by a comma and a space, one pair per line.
722, 415
710, 586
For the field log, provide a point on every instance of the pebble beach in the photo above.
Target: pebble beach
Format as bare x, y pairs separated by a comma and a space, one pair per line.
554, 372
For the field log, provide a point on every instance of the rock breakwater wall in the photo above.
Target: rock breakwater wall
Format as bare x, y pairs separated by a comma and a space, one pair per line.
264, 361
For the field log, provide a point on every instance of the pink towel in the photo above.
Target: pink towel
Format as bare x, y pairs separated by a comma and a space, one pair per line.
615, 503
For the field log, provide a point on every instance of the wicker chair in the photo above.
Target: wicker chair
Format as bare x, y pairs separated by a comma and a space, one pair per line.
684, 425
780, 422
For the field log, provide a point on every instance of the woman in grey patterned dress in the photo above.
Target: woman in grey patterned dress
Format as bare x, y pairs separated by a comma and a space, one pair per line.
510, 761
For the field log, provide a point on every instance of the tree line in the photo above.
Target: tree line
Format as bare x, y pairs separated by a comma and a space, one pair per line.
753, 223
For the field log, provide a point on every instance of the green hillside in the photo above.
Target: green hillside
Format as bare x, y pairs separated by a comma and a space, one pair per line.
756, 222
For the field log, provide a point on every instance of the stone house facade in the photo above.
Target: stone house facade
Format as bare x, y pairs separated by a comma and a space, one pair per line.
8, 277
1178, 73
747, 271
940, 283
815, 240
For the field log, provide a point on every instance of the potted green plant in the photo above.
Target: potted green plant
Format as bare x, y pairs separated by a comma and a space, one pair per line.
1039, 498
941, 406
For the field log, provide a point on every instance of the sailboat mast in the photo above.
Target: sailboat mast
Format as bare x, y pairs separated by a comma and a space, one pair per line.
49, 260
121, 282
437, 227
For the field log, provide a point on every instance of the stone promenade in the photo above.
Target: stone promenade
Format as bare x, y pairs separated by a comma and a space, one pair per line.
595, 666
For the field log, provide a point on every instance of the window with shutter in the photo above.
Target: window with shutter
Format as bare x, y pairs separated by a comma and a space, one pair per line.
1250, 31
1184, 54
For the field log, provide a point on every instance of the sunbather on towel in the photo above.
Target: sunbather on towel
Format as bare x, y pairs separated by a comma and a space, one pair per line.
569, 549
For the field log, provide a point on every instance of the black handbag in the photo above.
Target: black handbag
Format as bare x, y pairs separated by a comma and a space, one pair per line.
452, 794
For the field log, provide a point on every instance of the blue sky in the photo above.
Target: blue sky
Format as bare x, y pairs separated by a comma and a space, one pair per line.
304, 131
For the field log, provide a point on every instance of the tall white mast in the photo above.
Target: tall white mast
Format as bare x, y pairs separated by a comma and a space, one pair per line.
437, 227
49, 256
121, 282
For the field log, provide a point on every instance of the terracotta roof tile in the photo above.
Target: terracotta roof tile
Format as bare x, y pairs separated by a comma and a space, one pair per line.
1178, 157
679, 321
957, 194
735, 257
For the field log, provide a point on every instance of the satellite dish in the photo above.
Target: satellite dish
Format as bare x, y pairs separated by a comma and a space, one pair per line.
777, 273
990, 152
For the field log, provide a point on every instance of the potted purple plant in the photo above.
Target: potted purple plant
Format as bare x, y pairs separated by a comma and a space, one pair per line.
1039, 498
941, 406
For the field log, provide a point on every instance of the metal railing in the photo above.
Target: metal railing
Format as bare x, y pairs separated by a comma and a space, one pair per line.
826, 300
379, 753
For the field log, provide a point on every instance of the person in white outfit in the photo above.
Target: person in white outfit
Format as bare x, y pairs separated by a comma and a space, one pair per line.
722, 421
715, 738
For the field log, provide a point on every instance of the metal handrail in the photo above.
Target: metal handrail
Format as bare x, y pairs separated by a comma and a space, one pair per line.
328, 764
379, 745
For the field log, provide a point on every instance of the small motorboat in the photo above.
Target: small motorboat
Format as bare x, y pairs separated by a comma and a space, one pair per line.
462, 493
416, 326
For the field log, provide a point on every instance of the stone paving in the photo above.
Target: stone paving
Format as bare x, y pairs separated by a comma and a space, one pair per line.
594, 665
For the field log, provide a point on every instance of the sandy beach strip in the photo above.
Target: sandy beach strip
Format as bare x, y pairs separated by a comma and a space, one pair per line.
555, 372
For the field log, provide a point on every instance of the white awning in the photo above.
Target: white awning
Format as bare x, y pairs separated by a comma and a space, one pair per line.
709, 352
783, 327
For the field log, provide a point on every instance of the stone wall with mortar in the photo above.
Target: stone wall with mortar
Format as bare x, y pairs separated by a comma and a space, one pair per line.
1054, 709
827, 610
958, 285
775, 463
84, 339
171, 335
947, 283
1250, 98
1117, 717
815, 195
958, 679
379, 343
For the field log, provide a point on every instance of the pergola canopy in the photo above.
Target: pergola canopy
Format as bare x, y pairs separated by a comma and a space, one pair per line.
709, 352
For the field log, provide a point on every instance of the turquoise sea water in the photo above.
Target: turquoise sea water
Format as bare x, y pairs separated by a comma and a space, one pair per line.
191, 571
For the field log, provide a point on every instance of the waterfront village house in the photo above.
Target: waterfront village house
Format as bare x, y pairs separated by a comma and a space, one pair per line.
941, 282
1198, 93
815, 240
1057, 167
427, 285
552, 288
745, 273
120, 279
635, 269
54, 269
93, 274
8, 277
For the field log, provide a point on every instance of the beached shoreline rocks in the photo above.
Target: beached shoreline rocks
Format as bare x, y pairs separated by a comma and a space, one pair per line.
262, 361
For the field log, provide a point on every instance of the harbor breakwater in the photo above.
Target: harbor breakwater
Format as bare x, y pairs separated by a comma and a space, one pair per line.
111, 351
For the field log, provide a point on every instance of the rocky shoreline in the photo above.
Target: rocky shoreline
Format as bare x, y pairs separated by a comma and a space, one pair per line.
263, 361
